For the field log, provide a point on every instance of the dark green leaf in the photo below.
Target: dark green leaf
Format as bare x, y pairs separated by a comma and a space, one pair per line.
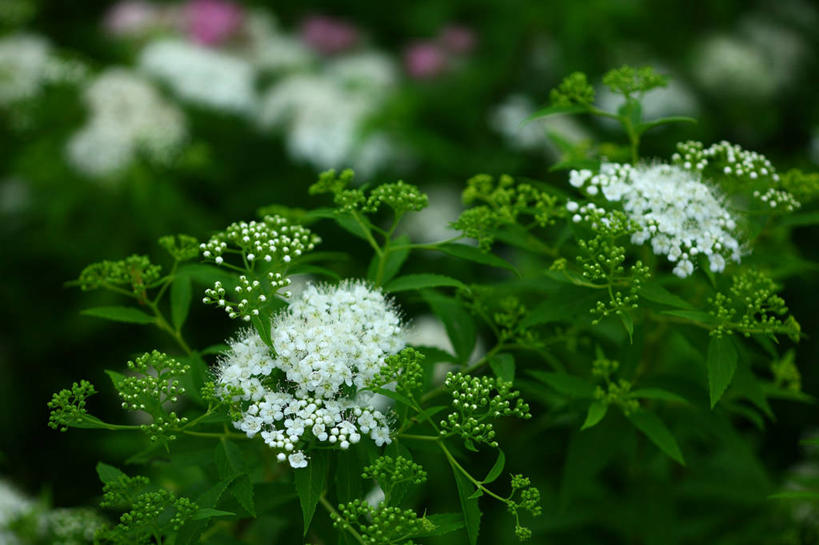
497, 468
722, 363
628, 323
597, 411
394, 261
442, 524
566, 384
503, 365
470, 253
209, 513
657, 432
181, 294
262, 327
394, 395
796, 495
459, 324
120, 314
657, 393
656, 293
421, 281
242, 490
469, 505
348, 476
693, 315
310, 484
108, 474
228, 458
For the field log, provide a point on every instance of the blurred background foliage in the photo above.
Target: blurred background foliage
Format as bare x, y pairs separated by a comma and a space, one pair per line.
747, 70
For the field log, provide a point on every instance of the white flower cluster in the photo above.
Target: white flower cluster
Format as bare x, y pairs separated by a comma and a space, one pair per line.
202, 76
13, 505
328, 345
731, 160
681, 215
323, 115
128, 118
508, 117
27, 63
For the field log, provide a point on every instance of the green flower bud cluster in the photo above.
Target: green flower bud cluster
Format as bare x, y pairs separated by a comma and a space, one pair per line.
475, 403
617, 393
573, 90
135, 272
604, 368
528, 500
389, 472
151, 512
628, 80
786, 373
501, 204
400, 196
752, 306
181, 247
403, 368
382, 525
504, 314
68, 406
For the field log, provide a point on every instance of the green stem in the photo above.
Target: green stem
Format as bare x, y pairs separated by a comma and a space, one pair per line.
214, 435
418, 437
466, 474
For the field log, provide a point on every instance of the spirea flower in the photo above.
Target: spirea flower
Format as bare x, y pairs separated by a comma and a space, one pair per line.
27, 64
328, 346
206, 77
673, 208
323, 116
128, 118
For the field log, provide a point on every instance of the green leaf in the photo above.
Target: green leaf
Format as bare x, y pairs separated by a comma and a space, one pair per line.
209, 513
395, 260
348, 476
566, 384
556, 110
658, 294
120, 314
657, 432
228, 458
262, 327
497, 468
643, 127
692, 315
470, 253
628, 323
310, 483
422, 281
503, 365
459, 324
657, 393
108, 474
181, 294
597, 411
242, 490
469, 505
722, 363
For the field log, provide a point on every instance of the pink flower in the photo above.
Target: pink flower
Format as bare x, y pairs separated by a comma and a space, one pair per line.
458, 39
328, 35
424, 60
211, 22
130, 17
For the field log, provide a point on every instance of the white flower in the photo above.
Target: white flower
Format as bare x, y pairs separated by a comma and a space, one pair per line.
268, 48
128, 117
27, 63
13, 505
680, 214
508, 117
203, 76
330, 343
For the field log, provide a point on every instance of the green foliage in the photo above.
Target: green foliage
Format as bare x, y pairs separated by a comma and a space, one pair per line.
628, 80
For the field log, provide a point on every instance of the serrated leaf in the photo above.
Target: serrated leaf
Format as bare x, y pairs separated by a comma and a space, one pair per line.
470, 253
310, 483
108, 473
597, 411
262, 327
209, 513
228, 458
422, 281
503, 365
128, 315
459, 324
628, 323
497, 468
469, 505
657, 432
242, 490
181, 295
722, 363
566, 384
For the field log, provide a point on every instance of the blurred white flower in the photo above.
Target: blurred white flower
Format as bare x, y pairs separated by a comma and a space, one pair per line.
202, 76
508, 118
13, 505
128, 117
27, 64
269, 48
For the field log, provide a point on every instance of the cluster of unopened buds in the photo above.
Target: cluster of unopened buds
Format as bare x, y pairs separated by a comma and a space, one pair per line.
250, 295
